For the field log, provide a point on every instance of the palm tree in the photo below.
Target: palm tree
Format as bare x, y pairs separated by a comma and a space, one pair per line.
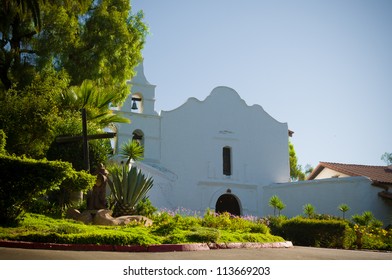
344, 208
280, 207
276, 203
309, 210
96, 102
132, 150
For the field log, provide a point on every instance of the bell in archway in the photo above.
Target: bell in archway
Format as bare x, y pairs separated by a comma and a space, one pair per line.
134, 105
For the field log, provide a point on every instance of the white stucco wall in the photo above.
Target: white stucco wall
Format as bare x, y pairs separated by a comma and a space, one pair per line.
326, 195
183, 153
150, 126
194, 135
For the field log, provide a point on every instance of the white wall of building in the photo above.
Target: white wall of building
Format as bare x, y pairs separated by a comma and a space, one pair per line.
184, 155
326, 195
193, 137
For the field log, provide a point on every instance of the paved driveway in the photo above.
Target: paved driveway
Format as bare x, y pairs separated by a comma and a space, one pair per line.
294, 253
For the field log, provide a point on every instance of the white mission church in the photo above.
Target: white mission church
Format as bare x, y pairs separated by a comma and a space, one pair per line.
223, 154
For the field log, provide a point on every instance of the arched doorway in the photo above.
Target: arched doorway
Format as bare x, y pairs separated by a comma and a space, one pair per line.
228, 203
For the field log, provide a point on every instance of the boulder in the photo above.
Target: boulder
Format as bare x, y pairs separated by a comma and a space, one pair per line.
124, 220
103, 217
86, 217
73, 213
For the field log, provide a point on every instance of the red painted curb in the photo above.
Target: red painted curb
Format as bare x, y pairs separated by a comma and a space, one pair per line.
178, 247
139, 248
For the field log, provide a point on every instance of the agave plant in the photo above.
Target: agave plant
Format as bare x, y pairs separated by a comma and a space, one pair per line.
128, 187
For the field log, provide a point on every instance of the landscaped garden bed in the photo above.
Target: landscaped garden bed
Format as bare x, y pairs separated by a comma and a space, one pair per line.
166, 229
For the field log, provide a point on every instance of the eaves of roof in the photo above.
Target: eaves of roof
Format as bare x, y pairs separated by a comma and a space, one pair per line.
378, 174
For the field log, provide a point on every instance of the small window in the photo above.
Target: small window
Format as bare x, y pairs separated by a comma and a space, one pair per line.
227, 161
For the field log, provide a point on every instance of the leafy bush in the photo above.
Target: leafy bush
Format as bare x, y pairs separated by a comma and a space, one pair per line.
202, 234
369, 233
145, 208
366, 219
3, 141
28, 179
374, 238
317, 233
275, 224
233, 223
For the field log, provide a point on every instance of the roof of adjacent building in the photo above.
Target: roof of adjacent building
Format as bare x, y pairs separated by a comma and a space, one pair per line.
378, 174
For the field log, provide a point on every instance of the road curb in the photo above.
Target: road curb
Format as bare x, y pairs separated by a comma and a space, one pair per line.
140, 248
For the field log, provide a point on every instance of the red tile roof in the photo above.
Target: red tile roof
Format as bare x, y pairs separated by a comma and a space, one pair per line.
378, 174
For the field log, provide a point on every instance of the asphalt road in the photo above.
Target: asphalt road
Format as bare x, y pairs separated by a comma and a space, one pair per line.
293, 253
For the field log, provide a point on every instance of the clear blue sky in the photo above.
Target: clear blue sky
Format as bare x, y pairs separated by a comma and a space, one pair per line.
324, 67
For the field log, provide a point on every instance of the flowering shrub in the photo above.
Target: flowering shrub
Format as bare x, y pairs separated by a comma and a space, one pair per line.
233, 223
368, 237
181, 211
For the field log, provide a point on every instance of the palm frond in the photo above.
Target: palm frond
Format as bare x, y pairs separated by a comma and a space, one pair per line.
132, 150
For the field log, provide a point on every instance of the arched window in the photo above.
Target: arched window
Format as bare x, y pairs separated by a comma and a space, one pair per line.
138, 136
226, 161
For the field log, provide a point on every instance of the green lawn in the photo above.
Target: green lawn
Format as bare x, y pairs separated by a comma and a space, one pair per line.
166, 229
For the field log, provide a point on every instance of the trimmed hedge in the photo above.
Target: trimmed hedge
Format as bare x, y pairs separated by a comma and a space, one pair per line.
317, 233
22, 179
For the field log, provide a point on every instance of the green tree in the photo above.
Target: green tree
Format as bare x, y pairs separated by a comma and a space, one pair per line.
96, 101
344, 208
28, 117
48, 46
132, 150
309, 210
280, 207
308, 170
387, 157
3, 141
276, 203
296, 173
96, 40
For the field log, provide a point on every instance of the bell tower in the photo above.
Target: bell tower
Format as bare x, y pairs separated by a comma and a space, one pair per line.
142, 97
145, 121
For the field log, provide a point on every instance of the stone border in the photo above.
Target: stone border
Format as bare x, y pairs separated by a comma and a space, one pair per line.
140, 248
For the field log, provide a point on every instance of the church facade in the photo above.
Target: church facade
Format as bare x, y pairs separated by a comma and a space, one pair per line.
224, 155
217, 153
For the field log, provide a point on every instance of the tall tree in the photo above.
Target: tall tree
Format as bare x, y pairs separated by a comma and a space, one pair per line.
296, 173
96, 102
99, 40
49, 49
387, 157
28, 119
